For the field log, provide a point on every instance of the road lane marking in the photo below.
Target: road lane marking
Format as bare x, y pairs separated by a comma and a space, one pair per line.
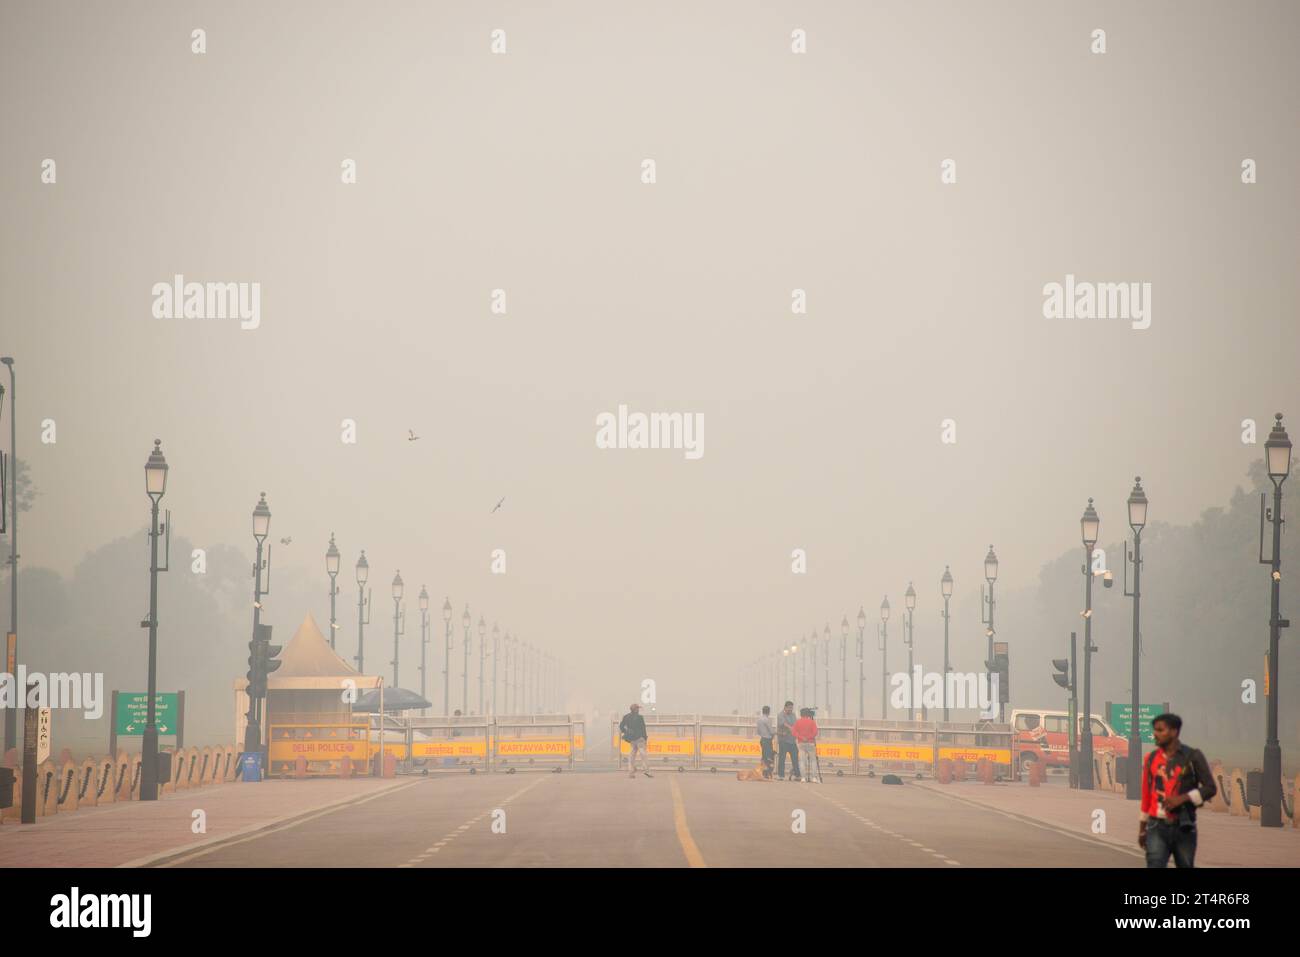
171, 858
693, 855
885, 830
464, 828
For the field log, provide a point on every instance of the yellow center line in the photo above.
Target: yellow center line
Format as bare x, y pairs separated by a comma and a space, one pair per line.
693, 855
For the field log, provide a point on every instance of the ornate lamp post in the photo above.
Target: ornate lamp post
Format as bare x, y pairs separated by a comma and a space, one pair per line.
1277, 451
363, 606
482, 661
945, 586
862, 636
399, 625
1089, 529
261, 528
155, 485
424, 642
496, 653
844, 666
909, 601
332, 569
883, 635
446, 657
465, 622
1137, 519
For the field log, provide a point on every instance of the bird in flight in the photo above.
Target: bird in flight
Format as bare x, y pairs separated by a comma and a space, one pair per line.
411, 436
493, 512
286, 541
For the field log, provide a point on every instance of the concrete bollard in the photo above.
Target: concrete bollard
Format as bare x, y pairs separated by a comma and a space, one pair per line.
390, 765
959, 770
945, 770
1036, 770
300, 767
345, 767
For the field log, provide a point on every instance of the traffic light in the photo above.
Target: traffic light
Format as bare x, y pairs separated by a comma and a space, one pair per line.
1062, 677
261, 661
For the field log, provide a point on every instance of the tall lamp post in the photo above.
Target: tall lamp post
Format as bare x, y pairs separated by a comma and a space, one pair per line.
826, 664
883, 635
844, 666
332, 569
424, 642
812, 643
363, 605
482, 661
446, 656
11, 714
1278, 453
155, 484
909, 601
398, 625
507, 644
796, 673
465, 622
783, 663
1089, 529
862, 636
1137, 518
496, 653
261, 528
987, 605
945, 586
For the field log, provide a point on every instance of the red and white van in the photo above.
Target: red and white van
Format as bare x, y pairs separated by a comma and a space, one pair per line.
1045, 736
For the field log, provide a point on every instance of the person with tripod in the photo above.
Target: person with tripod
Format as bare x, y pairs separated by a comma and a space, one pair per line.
805, 732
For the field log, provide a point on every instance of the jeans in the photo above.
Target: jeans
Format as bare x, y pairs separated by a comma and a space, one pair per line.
768, 754
1165, 838
787, 747
637, 747
808, 751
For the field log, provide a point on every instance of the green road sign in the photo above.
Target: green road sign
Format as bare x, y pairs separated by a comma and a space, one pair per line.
133, 712
1121, 714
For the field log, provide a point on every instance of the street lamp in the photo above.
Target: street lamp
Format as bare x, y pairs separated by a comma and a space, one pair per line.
446, 657
844, 666
883, 635
945, 586
332, 569
1277, 451
155, 484
987, 604
1089, 529
826, 664
363, 613
862, 635
496, 651
785, 674
11, 714
465, 622
261, 528
795, 672
398, 624
482, 649
424, 641
813, 644
909, 599
1137, 519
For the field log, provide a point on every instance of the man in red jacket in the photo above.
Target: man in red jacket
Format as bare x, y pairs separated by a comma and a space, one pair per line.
1176, 780
805, 732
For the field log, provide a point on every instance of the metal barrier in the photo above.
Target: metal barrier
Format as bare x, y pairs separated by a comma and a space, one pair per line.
444, 743
726, 741
673, 740
971, 742
323, 745
901, 746
537, 741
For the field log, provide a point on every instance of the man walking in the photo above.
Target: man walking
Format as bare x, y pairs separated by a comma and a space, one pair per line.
632, 728
765, 734
1176, 780
785, 742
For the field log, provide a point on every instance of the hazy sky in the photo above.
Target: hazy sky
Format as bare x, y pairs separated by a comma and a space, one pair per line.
775, 171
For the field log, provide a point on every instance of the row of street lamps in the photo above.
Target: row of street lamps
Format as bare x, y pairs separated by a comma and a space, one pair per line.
531, 679
782, 675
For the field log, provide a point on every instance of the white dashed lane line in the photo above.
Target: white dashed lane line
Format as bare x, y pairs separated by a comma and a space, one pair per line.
462, 828
884, 830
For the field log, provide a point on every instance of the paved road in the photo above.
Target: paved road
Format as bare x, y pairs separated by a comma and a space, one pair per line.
671, 820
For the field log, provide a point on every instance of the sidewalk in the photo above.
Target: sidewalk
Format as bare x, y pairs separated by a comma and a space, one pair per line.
131, 832
1222, 840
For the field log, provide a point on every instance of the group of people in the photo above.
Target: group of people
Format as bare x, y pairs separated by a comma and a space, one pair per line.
788, 735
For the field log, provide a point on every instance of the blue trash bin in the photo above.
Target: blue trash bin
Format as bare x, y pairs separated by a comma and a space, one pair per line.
251, 766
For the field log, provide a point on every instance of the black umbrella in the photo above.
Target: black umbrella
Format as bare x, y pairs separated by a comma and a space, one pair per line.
395, 699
